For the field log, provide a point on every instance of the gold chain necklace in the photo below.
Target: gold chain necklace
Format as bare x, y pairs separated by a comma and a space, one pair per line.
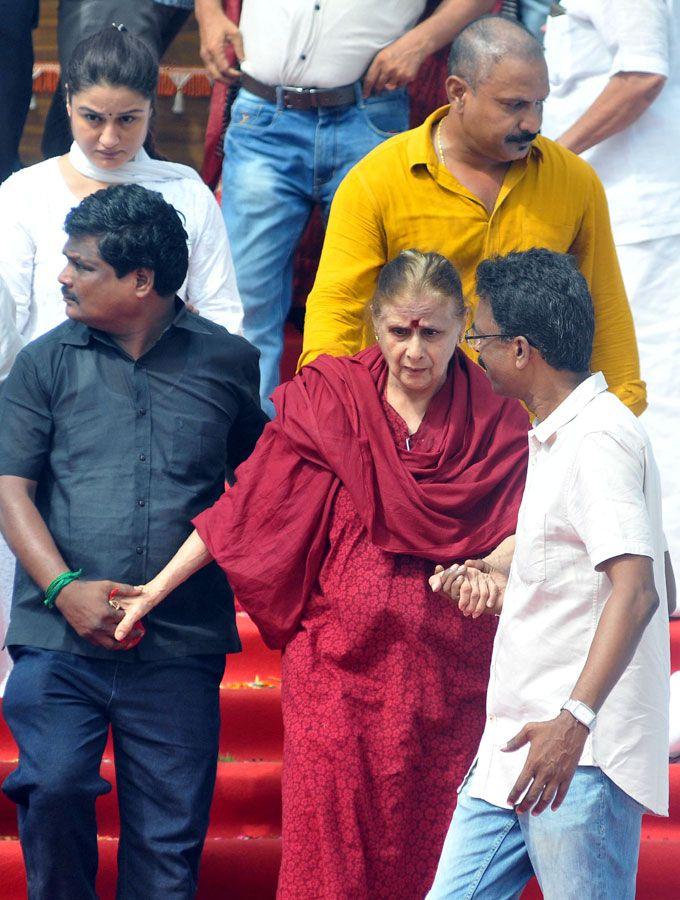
439, 142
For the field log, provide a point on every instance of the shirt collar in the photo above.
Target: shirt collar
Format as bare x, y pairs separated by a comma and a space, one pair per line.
79, 334
420, 150
569, 408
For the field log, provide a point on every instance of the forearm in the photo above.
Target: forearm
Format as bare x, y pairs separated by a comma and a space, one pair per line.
501, 557
624, 619
206, 8
671, 593
448, 19
26, 532
191, 556
624, 99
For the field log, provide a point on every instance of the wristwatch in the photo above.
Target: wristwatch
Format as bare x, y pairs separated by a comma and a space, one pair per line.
582, 713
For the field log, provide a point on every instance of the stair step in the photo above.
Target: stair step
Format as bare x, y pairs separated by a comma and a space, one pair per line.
255, 658
247, 801
241, 869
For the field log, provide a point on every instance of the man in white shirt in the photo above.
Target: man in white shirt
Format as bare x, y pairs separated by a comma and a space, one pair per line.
577, 705
323, 82
614, 99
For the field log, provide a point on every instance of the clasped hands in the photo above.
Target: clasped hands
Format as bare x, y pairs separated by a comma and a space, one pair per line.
88, 608
475, 585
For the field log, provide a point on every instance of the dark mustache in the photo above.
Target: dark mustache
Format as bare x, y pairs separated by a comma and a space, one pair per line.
525, 137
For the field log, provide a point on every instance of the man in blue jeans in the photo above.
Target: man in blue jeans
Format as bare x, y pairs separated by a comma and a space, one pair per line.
305, 114
116, 428
577, 705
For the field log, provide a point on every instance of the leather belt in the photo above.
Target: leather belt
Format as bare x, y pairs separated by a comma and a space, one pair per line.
299, 97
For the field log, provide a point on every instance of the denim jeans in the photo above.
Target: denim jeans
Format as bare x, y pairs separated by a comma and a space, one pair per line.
165, 721
278, 164
586, 850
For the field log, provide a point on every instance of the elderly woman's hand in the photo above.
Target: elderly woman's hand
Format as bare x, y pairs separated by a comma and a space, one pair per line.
476, 586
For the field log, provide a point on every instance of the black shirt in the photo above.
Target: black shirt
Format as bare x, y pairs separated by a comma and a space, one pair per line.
125, 453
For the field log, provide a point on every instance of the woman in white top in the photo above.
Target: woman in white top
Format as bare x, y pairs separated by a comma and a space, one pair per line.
110, 87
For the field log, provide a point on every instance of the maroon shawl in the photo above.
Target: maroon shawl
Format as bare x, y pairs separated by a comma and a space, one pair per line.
457, 496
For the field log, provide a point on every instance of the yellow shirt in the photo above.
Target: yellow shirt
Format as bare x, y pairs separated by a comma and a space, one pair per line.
400, 197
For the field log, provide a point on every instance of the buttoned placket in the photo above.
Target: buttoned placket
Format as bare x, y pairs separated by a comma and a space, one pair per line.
142, 468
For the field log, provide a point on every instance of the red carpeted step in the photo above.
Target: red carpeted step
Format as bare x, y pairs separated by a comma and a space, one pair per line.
256, 659
240, 869
675, 644
247, 801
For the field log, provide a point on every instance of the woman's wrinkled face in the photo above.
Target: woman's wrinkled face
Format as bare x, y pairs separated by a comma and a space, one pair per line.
109, 123
417, 336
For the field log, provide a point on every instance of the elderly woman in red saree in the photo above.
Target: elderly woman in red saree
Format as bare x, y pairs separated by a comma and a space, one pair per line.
376, 467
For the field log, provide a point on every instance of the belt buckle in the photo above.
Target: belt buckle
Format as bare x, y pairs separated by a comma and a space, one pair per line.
298, 92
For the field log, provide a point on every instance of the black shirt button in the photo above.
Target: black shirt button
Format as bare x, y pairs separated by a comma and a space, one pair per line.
141, 503
142, 458
303, 56
142, 412
317, 7
139, 550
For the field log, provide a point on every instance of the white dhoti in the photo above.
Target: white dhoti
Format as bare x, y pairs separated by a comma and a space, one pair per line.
651, 273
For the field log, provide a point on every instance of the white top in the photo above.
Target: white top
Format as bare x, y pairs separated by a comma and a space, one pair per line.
10, 339
33, 205
639, 166
320, 43
592, 493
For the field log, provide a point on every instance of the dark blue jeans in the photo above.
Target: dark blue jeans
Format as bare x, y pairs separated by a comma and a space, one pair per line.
165, 721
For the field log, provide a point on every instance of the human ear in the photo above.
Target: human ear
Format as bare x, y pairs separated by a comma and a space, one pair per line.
456, 89
144, 282
522, 350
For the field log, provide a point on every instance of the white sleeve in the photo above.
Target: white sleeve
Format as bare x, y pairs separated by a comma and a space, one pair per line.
605, 500
637, 33
211, 279
10, 339
17, 248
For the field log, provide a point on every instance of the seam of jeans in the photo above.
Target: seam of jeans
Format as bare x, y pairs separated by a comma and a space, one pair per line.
600, 836
113, 686
484, 865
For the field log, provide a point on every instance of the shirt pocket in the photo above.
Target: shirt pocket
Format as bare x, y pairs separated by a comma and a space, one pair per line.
530, 556
199, 452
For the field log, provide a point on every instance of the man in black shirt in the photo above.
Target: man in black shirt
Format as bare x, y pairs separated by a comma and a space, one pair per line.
116, 428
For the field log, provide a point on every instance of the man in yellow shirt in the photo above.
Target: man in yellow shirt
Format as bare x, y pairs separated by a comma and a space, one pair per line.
474, 181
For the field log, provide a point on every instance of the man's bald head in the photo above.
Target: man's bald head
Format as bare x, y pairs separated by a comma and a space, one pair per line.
484, 43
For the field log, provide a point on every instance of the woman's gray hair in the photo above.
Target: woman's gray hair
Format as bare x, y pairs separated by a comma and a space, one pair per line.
414, 272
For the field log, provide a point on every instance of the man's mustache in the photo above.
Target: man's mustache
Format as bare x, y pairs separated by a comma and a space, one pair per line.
525, 137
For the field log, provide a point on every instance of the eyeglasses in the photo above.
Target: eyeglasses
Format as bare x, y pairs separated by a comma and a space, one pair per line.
471, 337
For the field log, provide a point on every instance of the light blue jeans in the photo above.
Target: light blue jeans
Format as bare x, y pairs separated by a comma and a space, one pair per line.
278, 164
586, 850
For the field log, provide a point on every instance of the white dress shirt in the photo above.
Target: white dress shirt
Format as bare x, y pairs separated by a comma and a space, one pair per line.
10, 340
639, 168
320, 43
592, 493
33, 205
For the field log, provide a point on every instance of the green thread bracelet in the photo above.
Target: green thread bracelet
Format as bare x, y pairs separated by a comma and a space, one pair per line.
59, 582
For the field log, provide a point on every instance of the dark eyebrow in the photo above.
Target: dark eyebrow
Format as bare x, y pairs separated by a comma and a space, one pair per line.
71, 255
97, 113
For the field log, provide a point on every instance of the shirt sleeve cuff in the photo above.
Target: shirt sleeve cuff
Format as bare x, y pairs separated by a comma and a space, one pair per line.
602, 552
639, 62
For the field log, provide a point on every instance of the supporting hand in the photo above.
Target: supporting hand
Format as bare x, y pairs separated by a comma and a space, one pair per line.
554, 754
476, 586
85, 606
135, 607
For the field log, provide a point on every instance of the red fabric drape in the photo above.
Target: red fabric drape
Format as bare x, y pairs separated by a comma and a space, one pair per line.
455, 497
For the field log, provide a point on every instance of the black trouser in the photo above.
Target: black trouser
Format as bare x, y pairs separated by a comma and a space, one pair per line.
17, 18
154, 23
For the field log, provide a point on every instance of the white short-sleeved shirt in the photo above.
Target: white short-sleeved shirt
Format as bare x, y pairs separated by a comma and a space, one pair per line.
33, 205
595, 40
320, 44
592, 493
